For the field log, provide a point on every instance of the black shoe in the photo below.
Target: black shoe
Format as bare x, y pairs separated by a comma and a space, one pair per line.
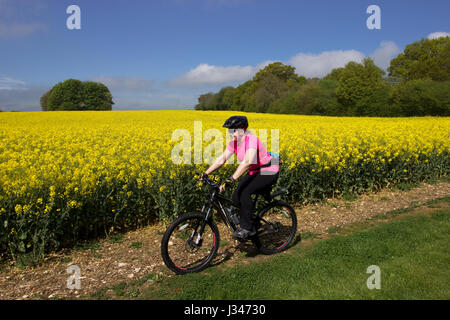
244, 233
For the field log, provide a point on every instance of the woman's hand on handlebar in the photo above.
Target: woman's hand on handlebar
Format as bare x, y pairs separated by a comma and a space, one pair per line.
201, 176
222, 187
204, 176
230, 181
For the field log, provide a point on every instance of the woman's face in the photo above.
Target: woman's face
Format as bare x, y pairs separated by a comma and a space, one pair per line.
235, 134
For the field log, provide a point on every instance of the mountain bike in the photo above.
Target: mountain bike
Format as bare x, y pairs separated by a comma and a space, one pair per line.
191, 242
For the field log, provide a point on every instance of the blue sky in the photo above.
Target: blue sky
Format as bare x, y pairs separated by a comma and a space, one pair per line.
164, 54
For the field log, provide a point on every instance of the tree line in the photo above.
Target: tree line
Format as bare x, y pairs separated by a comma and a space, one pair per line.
417, 84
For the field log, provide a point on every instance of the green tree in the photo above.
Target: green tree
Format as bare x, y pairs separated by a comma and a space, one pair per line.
228, 97
424, 59
422, 97
223, 99
280, 70
44, 100
377, 104
66, 95
270, 88
327, 100
314, 97
240, 95
96, 96
335, 74
205, 101
245, 96
74, 94
308, 98
358, 81
284, 104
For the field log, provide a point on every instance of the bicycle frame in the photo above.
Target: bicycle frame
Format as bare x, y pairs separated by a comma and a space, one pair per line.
217, 201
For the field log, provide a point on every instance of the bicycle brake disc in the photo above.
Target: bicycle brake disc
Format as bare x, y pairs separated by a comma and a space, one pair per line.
193, 245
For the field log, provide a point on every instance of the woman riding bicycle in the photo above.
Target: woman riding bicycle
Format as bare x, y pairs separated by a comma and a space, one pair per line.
262, 173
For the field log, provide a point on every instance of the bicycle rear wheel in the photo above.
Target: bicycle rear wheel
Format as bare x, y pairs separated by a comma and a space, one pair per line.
183, 249
276, 228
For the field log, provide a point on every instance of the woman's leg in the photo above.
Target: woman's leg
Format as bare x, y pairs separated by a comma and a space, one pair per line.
237, 192
257, 183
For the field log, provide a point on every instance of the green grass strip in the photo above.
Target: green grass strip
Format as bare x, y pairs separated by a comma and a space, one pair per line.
412, 253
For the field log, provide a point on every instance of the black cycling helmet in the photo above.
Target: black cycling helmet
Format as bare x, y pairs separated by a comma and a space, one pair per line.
236, 122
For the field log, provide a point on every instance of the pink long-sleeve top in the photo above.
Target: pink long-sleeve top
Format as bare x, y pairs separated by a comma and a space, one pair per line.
262, 156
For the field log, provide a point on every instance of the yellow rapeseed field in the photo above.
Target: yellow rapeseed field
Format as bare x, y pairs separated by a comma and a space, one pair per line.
78, 164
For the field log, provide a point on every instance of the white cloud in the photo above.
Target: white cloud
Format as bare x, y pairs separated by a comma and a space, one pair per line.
7, 83
383, 55
205, 74
319, 65
21, 98
436, 35
125, 83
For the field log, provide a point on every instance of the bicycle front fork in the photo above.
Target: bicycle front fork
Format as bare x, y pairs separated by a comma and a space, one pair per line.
197, 236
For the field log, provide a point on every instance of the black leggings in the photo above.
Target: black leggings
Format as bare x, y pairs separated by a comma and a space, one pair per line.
248, 185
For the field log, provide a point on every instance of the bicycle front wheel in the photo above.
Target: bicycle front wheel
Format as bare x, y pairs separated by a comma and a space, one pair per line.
185, 248
277, 225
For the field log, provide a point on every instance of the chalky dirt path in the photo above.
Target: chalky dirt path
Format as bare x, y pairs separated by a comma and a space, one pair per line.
108, 263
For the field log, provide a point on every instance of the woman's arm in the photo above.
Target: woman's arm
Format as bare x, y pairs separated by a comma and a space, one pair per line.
249, 158
219, 161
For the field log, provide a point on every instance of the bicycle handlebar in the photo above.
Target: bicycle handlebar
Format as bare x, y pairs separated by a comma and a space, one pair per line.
208, 181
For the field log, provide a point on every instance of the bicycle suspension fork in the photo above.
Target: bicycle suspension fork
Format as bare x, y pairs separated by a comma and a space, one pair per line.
208, 207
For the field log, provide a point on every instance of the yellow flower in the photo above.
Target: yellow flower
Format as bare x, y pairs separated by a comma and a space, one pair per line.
18, 208
135, 147
72, 204
47, 208
26, 208
52, 192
